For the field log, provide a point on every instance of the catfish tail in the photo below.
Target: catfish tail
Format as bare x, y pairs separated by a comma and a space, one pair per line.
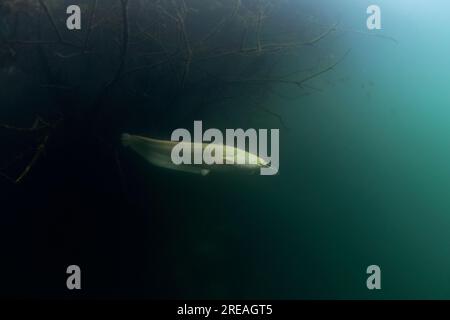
126, 139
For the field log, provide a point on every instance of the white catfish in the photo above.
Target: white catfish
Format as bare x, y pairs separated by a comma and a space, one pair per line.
158, 153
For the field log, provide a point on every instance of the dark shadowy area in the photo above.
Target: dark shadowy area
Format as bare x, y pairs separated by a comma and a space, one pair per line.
71, 195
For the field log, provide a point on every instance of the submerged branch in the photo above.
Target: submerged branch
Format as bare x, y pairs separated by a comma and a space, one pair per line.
376, 35
60, 39
262, 48
299, 83
38, 125
220, 25
171, 41
123, 51
276, 115
90, 24
39, 151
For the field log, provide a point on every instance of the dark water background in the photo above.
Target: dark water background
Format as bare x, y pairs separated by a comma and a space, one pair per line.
364, 172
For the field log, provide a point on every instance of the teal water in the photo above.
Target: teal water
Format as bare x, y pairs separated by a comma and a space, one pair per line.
364, 157
364, 175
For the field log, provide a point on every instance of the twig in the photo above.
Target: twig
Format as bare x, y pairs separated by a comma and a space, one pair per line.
125, 36
276, 115
321, 36
39, 151
187, 44
91, 19
299, 83
371, 34
268, 48
331, 67
60, 40
164, 51
376, 35
219, 26
38, 124
123, 48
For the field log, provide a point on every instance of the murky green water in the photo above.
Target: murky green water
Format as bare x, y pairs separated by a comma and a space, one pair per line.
364, 155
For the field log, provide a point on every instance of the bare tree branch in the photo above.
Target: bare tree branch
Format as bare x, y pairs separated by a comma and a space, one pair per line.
299, 83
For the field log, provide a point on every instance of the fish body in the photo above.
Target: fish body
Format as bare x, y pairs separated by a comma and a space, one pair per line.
159, 153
